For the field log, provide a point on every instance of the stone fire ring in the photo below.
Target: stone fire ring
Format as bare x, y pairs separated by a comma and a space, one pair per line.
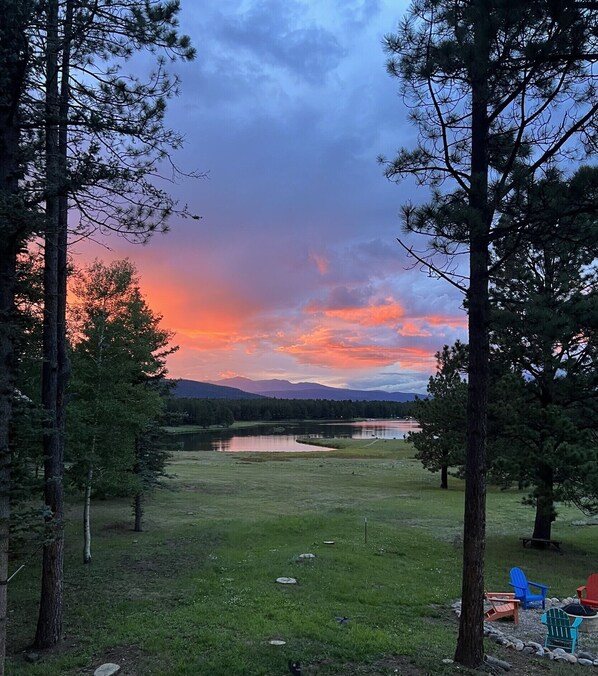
590, 617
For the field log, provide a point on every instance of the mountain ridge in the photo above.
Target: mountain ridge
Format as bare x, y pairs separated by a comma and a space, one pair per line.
284, 389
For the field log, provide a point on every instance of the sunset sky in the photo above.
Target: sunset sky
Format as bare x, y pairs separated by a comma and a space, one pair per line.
293, 271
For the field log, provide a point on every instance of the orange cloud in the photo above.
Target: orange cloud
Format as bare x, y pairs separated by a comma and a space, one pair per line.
413, 330
321, 263
325, 347
387, 314
454, 321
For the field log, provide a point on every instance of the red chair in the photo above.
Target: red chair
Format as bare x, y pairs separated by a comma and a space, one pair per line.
503, 605
588, 594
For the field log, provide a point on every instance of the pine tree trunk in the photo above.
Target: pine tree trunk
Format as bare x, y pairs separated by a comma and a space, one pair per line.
544, 503
87, 517
470, 643
444, 477
49, 624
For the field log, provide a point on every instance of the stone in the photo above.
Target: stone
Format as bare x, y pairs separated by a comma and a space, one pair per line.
32, 657
534, 645
584, 655
571, 658
107, 669
328, 542
276, 641
540, 652
286, 580
447, 660
496, 663
584, 662
306, 557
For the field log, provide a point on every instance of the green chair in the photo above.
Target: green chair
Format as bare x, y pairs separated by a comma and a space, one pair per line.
560, 633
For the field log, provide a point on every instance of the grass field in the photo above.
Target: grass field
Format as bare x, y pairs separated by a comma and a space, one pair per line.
196, 594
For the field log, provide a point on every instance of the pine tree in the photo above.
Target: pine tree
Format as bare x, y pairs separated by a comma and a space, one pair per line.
498, 92
440, 443
16, 225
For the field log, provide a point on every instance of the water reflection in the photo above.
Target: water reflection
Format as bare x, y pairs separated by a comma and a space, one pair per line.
283, 438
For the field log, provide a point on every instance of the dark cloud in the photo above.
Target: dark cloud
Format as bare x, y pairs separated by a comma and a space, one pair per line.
274, 32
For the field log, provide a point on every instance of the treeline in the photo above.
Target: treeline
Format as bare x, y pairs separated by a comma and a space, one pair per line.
207, 412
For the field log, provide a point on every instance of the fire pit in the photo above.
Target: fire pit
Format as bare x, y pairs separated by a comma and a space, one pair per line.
590, 617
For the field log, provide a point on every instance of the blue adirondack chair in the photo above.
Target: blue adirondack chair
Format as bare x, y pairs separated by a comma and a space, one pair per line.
560, 633
523, 592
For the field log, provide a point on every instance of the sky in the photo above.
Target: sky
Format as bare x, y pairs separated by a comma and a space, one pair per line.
294, 270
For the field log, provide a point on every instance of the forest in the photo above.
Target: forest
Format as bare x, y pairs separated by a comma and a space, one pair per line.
503, 102
207, 412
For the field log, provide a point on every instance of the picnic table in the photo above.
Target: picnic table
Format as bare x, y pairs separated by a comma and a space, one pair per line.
541, 543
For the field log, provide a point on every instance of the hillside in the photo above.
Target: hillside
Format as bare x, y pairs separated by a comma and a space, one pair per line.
194, 389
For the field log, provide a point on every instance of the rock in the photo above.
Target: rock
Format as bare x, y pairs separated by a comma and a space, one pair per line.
496, 663
447, 660
286, 580
276, 641
107, 669
584, 655
559, 651
584, 662
540, 652
528, 649
534, 645
596, 663
32, 657
306, 557
571, 658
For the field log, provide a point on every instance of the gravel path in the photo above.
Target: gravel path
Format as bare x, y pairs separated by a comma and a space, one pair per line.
530, 628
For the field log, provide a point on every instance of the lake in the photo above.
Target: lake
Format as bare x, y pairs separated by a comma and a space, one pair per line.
283, 438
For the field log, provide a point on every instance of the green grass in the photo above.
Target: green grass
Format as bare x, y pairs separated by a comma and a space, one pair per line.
195, 593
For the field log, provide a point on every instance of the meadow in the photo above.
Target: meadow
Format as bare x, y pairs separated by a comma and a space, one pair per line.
195, 593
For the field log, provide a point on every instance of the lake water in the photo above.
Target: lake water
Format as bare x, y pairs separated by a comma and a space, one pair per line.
283, 438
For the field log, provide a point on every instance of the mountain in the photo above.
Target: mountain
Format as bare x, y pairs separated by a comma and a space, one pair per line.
283, 389
194, 389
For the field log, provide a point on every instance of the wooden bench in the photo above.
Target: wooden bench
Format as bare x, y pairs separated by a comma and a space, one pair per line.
541, 543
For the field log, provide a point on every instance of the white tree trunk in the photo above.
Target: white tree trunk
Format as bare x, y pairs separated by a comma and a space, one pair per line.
86, 517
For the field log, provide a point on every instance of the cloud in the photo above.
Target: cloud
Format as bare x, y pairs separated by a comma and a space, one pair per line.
337, 349
294, 270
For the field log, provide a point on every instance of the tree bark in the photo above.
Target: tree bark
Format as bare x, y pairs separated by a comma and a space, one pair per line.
544, 503
470, 643
49, 624
444, 477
